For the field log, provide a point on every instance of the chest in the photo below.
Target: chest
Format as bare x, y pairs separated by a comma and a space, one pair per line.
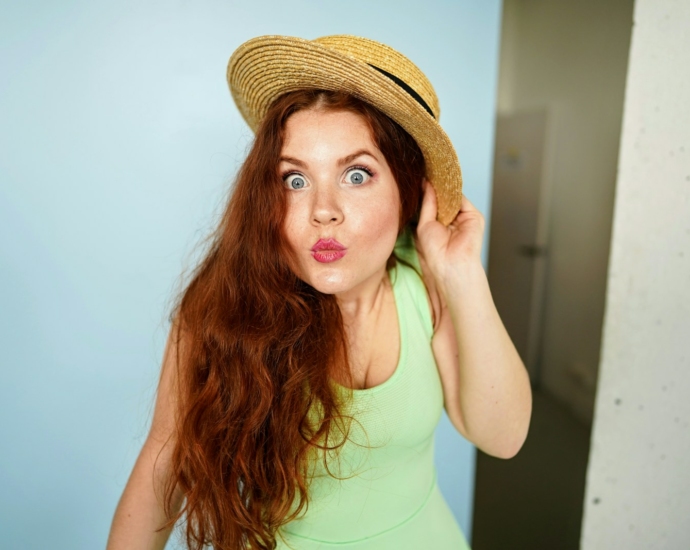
374, 345
398, 395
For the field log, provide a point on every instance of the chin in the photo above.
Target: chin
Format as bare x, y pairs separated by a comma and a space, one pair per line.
338, 280
330, 283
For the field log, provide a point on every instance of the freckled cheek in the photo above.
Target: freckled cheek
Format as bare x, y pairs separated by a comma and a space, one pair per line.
377, 226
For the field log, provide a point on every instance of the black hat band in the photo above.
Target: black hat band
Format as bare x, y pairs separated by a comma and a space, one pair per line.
405, 87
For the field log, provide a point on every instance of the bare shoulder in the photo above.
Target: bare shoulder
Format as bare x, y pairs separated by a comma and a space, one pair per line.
445, 348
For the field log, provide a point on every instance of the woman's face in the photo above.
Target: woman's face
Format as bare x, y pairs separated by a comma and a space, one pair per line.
342, 194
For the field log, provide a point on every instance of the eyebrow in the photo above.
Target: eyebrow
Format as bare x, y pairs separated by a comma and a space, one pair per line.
344, 160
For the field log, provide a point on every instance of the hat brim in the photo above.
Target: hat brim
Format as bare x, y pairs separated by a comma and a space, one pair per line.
266, 67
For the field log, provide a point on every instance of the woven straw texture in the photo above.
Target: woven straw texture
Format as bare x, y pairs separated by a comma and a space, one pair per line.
264, 68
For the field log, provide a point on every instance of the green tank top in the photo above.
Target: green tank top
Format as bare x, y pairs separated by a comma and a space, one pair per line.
387, 495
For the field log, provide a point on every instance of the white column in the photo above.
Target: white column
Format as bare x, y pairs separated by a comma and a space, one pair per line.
638, 479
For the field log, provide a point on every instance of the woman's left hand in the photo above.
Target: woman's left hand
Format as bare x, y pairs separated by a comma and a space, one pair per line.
448, 250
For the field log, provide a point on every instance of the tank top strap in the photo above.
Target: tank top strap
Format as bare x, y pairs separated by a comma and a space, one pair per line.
411, 278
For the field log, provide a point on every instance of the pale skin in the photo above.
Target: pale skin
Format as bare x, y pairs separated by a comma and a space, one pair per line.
486, 388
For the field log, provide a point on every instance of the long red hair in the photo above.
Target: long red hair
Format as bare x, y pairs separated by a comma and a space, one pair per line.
262, 348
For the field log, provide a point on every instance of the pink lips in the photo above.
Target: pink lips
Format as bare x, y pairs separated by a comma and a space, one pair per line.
328, 250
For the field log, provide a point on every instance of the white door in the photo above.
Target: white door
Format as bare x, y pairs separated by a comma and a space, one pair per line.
518, 232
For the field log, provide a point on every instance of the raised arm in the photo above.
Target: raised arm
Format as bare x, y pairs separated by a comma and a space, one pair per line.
486, 385
140, 509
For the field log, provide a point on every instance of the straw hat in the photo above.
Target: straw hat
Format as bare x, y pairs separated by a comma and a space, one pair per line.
265, 67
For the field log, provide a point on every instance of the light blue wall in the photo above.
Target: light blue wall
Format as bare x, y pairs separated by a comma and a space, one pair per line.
118, 139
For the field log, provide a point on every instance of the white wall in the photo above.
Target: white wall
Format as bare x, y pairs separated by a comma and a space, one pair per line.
571, 57
638, 481
118, 140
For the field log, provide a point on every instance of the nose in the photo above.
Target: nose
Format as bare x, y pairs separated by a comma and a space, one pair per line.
326, 207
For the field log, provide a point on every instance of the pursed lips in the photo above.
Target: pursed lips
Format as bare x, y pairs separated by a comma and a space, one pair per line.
327, 250
327, 244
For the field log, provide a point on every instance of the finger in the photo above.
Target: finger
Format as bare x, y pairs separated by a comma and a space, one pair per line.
466, 208
429, 206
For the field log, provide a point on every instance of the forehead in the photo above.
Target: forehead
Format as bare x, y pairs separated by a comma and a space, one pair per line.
320, 131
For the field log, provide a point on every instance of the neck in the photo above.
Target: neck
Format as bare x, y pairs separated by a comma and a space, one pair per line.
359, 302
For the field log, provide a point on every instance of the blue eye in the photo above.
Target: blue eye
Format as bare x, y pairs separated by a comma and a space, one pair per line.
296, 183
358, 175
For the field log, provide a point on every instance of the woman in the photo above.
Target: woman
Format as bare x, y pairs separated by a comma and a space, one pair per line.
341, 306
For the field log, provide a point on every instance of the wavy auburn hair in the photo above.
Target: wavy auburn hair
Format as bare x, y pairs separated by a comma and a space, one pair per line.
261, 348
